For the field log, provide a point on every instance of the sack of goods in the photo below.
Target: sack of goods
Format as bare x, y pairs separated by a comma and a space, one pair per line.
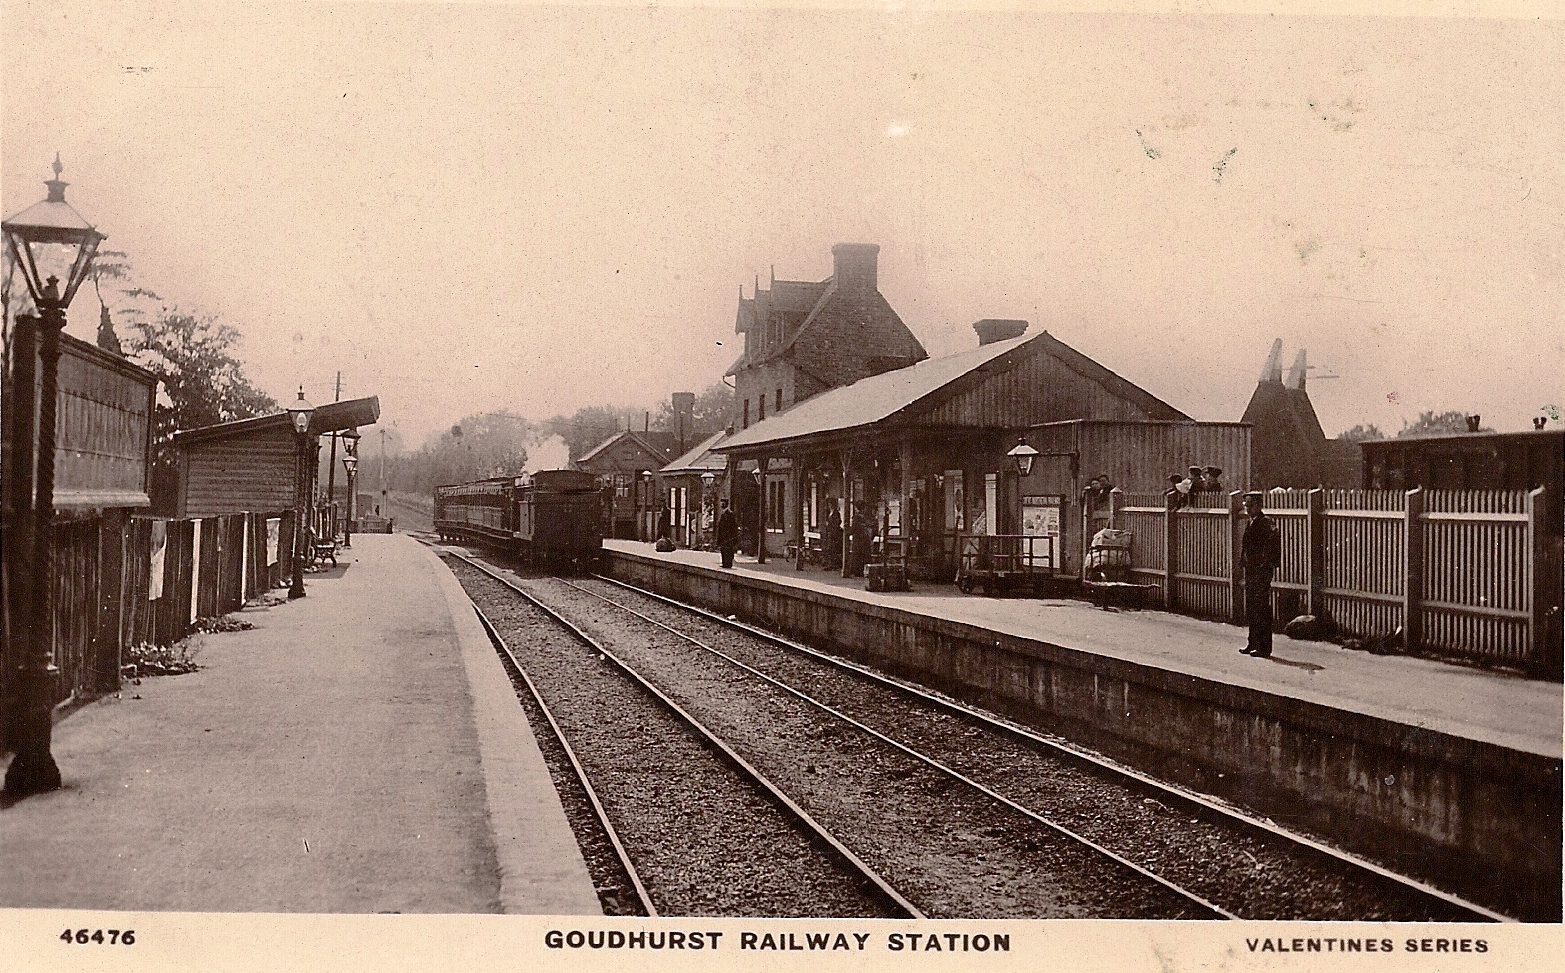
1110, 538
1107, 557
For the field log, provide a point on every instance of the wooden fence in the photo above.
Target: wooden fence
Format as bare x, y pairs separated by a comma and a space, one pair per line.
122, 581
1470, 574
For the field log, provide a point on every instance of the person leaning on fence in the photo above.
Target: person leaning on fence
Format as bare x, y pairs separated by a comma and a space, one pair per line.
1260, 557
1178, 490
727, 534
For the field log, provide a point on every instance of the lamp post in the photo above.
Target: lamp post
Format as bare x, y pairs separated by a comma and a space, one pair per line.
350, 462
45, 237
299, 413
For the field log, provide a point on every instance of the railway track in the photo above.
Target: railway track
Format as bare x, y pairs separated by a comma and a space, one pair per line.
1188, 855
1244, 866
980, 855
700, 830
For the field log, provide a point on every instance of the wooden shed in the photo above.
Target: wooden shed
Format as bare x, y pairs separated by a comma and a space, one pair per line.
249, 464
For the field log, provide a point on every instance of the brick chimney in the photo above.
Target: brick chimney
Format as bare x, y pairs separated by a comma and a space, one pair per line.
854, 267
991, 330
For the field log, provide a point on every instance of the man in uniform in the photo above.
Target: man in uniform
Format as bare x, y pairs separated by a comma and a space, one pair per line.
727, 534
1261, 556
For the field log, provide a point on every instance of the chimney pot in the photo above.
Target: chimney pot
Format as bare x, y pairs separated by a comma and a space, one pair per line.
1473, 422
991, 330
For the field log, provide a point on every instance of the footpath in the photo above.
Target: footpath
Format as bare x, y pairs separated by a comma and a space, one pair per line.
359, 751
1475, 704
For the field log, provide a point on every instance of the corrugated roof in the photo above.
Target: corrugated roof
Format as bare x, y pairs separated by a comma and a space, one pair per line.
700, 459
873, 399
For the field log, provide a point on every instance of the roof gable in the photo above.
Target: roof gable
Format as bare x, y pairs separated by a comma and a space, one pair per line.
1011, 383
657, 446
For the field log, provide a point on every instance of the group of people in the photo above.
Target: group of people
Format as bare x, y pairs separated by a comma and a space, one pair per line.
1197, 479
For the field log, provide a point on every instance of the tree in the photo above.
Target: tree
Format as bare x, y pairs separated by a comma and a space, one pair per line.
1429, 422
202, 381
1362, 433
591, 425
479, 446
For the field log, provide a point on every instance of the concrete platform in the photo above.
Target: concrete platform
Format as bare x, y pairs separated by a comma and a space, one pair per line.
1448, 772
359, 751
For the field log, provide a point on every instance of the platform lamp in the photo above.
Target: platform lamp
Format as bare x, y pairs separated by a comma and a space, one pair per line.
350, 462
46, 239
299, 413
1022, 457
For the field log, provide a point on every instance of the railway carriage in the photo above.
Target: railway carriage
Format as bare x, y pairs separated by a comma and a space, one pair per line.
550, 518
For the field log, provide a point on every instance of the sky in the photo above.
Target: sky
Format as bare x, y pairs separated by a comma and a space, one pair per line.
497, 206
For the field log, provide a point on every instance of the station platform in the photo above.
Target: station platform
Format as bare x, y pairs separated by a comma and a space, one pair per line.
1449, 773
358, 751
1488, 706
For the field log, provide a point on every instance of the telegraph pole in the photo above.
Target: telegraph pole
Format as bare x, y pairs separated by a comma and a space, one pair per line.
383, 500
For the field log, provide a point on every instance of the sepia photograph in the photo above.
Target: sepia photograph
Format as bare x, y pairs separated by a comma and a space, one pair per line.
818, 486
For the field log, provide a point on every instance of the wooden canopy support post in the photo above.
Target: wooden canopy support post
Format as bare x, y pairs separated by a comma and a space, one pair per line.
847, 509
760, 520
905, 463
799, 526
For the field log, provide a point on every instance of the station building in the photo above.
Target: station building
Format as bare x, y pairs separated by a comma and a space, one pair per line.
628, 463
920, 452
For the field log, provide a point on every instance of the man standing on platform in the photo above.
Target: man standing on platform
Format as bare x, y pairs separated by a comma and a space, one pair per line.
1261, 556
727, 534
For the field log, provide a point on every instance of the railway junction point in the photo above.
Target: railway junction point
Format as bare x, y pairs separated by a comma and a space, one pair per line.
359, 751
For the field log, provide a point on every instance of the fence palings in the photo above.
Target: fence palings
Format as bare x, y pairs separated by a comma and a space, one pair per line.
1465, 573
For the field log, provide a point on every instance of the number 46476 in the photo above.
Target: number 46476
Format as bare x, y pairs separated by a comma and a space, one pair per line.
111, 936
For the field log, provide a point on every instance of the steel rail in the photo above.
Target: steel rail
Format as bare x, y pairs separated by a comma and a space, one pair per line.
1189, 798
770, 789
642, 894
924, 758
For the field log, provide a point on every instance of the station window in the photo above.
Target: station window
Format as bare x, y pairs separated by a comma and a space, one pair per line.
779, 401
746, 415
760, 407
